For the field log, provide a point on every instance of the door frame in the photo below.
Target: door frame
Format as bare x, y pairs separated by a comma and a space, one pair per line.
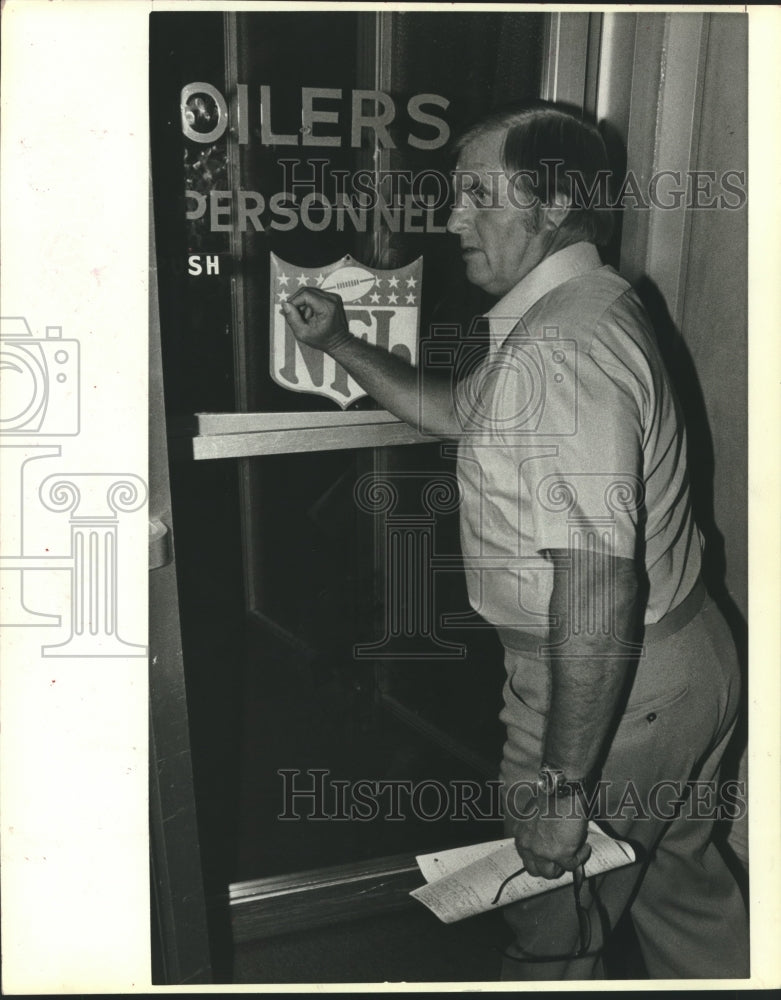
180, 945
301, 901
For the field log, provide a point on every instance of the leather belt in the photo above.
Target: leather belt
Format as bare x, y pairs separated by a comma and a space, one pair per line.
680, 615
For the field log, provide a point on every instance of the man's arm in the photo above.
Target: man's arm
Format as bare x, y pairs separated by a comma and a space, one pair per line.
589, 671
588, 674
317, 318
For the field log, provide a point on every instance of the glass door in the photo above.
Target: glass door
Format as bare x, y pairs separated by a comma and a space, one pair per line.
340, 721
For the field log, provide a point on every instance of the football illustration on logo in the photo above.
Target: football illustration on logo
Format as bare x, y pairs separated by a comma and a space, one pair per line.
352, 283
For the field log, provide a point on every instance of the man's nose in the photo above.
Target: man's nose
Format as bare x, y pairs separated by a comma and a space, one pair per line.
458, 221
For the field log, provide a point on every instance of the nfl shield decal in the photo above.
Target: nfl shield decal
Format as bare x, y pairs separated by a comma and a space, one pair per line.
382, 306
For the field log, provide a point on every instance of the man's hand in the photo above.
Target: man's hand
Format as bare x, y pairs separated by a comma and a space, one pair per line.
317, 318
553, 840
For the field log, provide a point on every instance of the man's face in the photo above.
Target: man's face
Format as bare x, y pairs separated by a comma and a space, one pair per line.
492, 223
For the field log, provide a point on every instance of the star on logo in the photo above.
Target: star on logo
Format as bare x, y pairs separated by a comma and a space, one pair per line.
375, 297
410, 299
411, 282
393, 282
283, 279
283, 296
302, 280
320, 279
392, 299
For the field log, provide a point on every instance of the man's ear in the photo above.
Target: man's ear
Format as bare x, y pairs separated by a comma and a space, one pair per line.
553, 215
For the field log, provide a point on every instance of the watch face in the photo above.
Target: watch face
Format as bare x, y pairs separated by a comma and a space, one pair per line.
549, 780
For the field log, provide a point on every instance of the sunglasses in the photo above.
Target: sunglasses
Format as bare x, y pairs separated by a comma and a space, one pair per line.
584, 920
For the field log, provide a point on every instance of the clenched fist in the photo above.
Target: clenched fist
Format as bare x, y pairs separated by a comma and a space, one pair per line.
550, 844
317, 319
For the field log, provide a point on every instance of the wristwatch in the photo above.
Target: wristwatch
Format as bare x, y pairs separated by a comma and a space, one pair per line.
552, 781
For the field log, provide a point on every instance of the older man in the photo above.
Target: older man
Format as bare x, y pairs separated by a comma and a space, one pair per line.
580, 547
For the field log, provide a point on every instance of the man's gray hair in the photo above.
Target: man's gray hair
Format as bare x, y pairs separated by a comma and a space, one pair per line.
555, 158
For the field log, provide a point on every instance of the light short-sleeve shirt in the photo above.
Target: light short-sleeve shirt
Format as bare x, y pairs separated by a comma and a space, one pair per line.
573, 440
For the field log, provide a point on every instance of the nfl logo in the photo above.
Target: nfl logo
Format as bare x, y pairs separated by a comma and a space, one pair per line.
382, 306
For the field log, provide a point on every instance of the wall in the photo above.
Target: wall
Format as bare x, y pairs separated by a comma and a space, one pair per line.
673, 93
714, 323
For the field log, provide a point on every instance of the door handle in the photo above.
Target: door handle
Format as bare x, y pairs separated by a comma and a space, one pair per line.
160, 547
